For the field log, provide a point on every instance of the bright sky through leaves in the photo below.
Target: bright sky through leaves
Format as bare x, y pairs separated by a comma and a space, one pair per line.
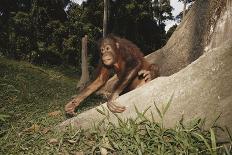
178, 6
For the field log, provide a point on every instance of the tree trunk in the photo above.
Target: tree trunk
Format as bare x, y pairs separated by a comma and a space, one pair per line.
184, 9
105, 21
187, 43
202, 89
84, 64
189, 40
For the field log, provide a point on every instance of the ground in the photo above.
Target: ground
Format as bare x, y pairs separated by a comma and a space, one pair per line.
32, 103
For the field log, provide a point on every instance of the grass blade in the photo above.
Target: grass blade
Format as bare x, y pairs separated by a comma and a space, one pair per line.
157, 109
213, 142
168, 104
101, 112
144, 112
205, 141
215, 121
229, 134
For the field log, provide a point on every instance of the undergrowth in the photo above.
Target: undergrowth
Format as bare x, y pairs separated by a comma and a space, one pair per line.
31, 105
142, 135
32, 100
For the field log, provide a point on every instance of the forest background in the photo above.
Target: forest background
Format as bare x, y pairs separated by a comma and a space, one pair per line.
49, 32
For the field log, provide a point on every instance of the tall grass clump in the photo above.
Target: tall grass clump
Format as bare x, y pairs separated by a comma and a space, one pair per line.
146, 136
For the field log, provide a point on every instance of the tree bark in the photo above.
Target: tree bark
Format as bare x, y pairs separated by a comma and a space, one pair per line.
105, 18
187, 43
201, 90
84, 64
184, 9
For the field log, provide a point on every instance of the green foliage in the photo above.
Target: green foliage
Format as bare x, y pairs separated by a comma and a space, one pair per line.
141, 21
50, 32
141, 136
3, 117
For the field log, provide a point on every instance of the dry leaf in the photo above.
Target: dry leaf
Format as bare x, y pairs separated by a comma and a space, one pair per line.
103, 151
33, 128
53, 141
55, 113
72, 141
79, 153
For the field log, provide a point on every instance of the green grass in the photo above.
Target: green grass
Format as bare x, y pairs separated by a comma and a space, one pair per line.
28, 95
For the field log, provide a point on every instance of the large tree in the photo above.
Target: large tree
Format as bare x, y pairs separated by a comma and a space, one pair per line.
203, 88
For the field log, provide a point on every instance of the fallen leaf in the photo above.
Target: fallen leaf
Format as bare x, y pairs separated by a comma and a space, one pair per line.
72, 141
34, 128
79, 153
54, 113
53, 141
103, 151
